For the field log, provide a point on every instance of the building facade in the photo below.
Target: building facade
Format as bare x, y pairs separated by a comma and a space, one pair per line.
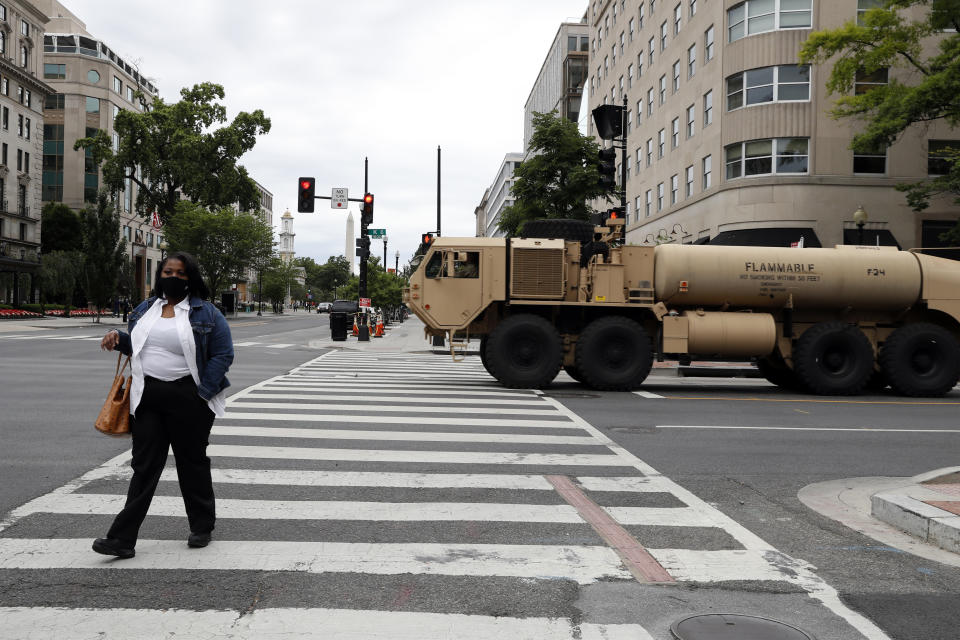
729, 137
497, 197
22, 96
92, 85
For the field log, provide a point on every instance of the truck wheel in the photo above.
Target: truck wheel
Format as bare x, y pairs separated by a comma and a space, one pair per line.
562, 228
776, 371
614, 354
524, 352
483, 353
921, 359
833, 359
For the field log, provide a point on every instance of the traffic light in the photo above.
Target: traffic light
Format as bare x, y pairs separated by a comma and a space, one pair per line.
617, 212
426, 238
607, 167
306, 187
367, 209
363, 247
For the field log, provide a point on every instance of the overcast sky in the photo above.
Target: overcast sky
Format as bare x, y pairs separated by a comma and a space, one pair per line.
340, 80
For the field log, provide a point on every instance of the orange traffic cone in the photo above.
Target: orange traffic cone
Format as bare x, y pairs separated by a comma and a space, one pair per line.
379, 331
356, 331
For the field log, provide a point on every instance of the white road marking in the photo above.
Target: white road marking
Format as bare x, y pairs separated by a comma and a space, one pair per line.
767, 428
307, 478
233, 414
70, 337
647, 394
625, 483
583, 564
404, 436
245, 344
279, 346
368, 408
394, 389
42, 623
405, 398
718, 566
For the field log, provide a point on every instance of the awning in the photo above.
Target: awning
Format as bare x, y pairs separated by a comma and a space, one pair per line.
871, 237
767, 237
703, 240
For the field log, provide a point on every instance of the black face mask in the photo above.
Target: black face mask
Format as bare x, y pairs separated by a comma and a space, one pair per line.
172, 288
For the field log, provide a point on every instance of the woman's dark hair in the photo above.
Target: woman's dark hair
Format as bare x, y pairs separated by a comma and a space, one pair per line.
195, 284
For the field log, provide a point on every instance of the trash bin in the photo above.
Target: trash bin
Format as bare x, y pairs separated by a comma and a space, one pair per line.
338, 325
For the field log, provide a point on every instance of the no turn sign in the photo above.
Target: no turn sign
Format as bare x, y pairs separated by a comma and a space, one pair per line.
338, 198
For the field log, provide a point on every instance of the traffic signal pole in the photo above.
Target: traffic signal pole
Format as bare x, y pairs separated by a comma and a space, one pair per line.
623, 169
363, 328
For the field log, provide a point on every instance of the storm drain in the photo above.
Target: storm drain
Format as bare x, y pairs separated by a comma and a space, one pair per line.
729, 626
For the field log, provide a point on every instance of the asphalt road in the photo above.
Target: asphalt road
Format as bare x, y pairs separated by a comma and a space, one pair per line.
740, 485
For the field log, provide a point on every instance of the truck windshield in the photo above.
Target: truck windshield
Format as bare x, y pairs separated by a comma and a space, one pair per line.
434, 267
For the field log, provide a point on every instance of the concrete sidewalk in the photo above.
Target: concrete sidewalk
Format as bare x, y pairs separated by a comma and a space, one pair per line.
926, 506
106, 321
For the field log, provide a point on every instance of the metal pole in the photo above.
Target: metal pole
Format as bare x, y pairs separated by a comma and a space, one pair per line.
363, 329
396, 264
384, 254
438, 190
260, 292
623, 168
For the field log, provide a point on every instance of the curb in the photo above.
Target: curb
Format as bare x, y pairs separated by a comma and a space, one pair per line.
915, 508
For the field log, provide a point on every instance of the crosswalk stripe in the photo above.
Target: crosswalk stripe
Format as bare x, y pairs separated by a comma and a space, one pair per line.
70, 337
649, 395
233, 414
31, 623
406, 436
433, 390
368, 408
279, 346
404, 398
309, 478
580, 563
245, 344
432, 457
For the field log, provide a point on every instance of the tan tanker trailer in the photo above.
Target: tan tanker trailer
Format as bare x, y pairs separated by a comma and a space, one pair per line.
831, 321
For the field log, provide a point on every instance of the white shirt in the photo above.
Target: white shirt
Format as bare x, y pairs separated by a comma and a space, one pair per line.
138, 339
162, 355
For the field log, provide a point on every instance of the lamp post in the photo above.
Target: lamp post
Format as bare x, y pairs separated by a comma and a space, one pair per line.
260, 291
860, 218
396, 263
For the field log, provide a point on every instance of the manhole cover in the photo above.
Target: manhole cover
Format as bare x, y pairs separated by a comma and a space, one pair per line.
728, 626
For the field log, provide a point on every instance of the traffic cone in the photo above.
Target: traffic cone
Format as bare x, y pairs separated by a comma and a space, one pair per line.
356, 331
379, 331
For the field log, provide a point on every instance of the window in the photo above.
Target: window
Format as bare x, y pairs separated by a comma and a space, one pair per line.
650, 101
692, 60
24, 28
649, 203
639, 112
117, 85
691, 117
786, 83
26, 128
708, 108
6, 118
621, 43
674, 188
3, 154
760, 16
688, 175
613, 54
708, 44
663, 35
620, 85
675, 133
865, 5
649, 151
939, 154
676, 76
630, 76
20, 125
27, 98
661, 142
864, 81
93, 105
707, 165
93, 77
24, 56
4, 83
677, 14
640, 17
630, 27
639, 159
640, 64
127, 234
149, 242
19, 160
3, 12
637, 206
54, 71
693, 8
764, 157
663, 89
870, 161
650, 51
149, 261
3, 42
53, 101
629, 121
660, 197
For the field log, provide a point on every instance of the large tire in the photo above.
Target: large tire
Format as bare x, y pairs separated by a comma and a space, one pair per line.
483, 353
562, 228
920, 360
834, 359
614, 354
590, 249
524, 352
776, 371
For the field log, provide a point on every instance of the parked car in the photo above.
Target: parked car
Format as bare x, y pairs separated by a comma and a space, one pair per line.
324, 307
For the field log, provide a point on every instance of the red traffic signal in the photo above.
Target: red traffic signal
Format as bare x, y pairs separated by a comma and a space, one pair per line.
427, 238
305, 195
366, 210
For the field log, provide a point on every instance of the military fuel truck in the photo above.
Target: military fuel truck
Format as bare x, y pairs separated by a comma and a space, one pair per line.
570, 295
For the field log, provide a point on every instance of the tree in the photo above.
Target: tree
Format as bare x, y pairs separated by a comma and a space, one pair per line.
897, 34
559, 180
59, 272
334, 273
279, 278
104, 251
61, 228
173, 149
224, 241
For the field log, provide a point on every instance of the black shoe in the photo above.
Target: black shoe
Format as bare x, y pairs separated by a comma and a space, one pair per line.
113, 547
197, 540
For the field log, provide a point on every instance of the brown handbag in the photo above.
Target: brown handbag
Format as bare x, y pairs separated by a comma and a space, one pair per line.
114, 418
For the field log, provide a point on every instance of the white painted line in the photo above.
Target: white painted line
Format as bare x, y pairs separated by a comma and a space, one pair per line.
278, 346
233, 414
432, 457
404, 436
663, 516
71, 337
406, 397
583, 564
647, 394
42, 623
432, 390
716, 566
245, 344
544, 411
302, 477
172, 506
642, 484
767, 428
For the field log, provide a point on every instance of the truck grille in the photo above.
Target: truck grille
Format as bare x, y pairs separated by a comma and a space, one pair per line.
537, 273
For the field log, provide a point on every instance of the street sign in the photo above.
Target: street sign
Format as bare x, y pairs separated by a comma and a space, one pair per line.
364, 302
376, 233
338, 198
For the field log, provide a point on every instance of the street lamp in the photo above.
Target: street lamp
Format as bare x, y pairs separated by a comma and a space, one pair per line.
260, 291
860, 219
396, 264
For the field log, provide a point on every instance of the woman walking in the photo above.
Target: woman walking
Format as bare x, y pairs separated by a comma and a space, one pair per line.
181, 349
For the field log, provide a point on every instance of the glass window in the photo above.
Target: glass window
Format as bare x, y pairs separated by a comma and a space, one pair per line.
768, 84
663, 35
708, 107
865, 5
24, 56
24, 28
54, 71
707, 172
93, 77
691, 117
648, 205
708, 44
676, 76
571, 43
117, 84
675, 133
692, 60
650, 101
663, 89
688, 176
650, 51
629, 76
93, 105
677, 14
939, 155
640, 17
53, 101
630, 28
660, 197
640, 64
466, 264
870, 161
693, 8
674, 188
760, 16
864, 81
764, 157
661, 142
649, 151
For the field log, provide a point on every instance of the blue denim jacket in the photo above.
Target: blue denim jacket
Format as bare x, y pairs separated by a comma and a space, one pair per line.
211, 335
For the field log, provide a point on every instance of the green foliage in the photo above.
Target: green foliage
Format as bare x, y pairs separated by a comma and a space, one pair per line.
104, 250
278, 278
61, 228
893, 36
559, 180
59, 273
384, 289
178, 151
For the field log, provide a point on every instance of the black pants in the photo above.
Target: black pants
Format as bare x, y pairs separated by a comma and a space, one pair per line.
170, 414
